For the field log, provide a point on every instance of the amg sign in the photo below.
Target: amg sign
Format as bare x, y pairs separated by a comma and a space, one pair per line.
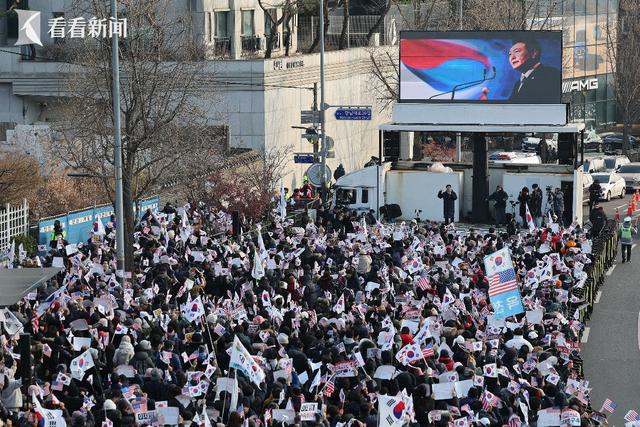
579, 85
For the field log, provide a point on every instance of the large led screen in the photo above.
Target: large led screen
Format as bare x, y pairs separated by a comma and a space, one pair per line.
522, 67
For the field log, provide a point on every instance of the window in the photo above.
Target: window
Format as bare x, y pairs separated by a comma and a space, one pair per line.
221, 29
247, 23
365, 196
270, 15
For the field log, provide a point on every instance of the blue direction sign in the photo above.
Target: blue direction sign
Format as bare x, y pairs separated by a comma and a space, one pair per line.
353, 114
303, 158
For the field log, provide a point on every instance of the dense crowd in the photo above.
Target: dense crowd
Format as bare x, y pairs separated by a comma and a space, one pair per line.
340, 321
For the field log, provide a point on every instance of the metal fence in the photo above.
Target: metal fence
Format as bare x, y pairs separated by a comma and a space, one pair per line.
77, 224
357, 30
14, 221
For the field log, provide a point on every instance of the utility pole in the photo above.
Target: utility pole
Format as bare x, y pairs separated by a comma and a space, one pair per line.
117, 150
323, 146
315, 108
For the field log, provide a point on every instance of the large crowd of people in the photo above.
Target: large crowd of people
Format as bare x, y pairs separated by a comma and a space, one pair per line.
339, 321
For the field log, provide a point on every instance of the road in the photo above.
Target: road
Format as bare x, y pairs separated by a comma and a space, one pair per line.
610, 207
611, 341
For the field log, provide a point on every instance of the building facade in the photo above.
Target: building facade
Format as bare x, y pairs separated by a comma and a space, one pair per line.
259, 100
589, 28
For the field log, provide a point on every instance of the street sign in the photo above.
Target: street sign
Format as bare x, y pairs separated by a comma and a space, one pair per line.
353, 113
309, 117
303, 158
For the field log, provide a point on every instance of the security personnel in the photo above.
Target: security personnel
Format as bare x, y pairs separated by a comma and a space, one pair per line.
626, 238
57, 233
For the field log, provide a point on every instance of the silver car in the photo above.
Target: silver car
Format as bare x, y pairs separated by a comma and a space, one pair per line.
631, 174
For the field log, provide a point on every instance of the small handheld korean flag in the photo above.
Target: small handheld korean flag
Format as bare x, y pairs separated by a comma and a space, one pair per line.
530, 223
283, 203
258, 270
339, 307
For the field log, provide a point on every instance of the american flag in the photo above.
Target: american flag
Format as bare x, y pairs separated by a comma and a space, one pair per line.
423, 283
502, 282
632, 415
329, 387
514, 421
428, 351
609, 406
489, 400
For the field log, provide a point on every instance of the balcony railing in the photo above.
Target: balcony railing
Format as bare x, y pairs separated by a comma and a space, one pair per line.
275, 44
222, 46
250, 44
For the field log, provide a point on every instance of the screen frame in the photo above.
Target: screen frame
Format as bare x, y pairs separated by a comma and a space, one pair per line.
460, 34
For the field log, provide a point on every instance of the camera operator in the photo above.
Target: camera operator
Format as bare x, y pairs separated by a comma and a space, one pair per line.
500, 198
558, 205
536, 205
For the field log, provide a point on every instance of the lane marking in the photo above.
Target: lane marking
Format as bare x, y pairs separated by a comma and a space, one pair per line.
610, 270
585, 335
638, 331
598, 296
621, 206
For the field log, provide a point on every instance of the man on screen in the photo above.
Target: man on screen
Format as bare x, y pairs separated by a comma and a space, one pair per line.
538, 83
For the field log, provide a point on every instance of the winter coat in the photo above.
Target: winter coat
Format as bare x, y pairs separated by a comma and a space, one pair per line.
124, 352
449, 205
141, 362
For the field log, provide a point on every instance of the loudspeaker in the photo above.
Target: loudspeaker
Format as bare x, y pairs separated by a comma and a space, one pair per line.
391, 145
566, 148
235, 223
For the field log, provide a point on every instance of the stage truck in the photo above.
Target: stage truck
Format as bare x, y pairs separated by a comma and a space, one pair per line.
407, 190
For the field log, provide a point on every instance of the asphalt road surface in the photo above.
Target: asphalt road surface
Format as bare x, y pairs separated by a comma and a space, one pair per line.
611, 340
610, 208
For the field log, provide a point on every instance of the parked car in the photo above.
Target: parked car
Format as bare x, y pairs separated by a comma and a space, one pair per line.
513, 157
530, 144
587, 180
612, 142
594, 164
631, 174
613, 163
593, 142
612, 184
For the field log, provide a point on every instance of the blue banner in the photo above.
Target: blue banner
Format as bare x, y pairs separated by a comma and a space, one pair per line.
507, 304
77, 225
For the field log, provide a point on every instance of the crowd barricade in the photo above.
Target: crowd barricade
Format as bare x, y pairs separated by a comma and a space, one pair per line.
604, 251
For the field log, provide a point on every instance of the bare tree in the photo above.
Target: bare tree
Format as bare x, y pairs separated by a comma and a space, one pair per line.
19, 176
316, 39
165, 129
249, 187
623, 45
344, 33
288, 10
